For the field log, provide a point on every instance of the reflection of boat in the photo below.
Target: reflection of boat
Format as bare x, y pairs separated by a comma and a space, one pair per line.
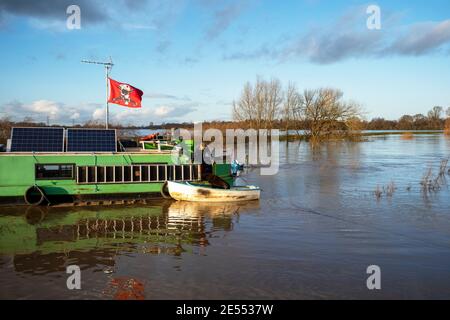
187, 191
212, 210
44, 237
220, 215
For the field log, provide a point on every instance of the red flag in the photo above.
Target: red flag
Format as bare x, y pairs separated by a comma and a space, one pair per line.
124, 94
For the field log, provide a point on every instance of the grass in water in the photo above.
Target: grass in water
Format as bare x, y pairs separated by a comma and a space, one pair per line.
433, 182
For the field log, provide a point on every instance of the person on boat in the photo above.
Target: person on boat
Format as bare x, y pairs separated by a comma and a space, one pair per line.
202, 152
207, 158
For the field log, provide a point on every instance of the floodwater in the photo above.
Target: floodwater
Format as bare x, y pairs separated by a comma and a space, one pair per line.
317, 228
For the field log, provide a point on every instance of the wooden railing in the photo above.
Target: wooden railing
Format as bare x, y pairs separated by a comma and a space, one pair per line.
138, 173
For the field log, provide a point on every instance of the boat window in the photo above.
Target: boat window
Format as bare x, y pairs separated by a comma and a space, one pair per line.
187, 172
169, 173
178, 173
145, 173
81, 176
91, 176
109, 174
54, 171
155, 174
101, 174
127, 177
136, 173
118, 174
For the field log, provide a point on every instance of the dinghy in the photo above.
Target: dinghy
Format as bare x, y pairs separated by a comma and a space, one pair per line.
187, 191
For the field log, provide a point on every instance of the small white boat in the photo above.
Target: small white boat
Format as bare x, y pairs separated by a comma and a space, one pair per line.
187, 191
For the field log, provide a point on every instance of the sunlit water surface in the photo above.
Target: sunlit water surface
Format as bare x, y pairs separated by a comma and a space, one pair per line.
313, 234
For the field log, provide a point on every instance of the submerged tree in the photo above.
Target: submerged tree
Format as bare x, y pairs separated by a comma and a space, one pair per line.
322, 113
290, 113
327, 115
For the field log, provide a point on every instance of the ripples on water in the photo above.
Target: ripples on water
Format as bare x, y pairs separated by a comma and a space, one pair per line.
312, 235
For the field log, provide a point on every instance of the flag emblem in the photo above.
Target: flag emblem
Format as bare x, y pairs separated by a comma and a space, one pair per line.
124, 94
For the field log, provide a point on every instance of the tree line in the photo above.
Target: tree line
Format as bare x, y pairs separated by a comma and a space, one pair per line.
434, 120
320, 113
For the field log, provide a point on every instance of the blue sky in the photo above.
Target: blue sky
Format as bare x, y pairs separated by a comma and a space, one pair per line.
191, 58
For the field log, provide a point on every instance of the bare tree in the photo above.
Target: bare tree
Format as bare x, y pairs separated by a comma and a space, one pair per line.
244, 109
326, 114
434, 117
274, 100
291, 108
259, 104
260, 98
322, 111
5, 129
435, 113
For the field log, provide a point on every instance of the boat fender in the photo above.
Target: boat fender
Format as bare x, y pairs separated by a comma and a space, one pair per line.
34, 196
165, 191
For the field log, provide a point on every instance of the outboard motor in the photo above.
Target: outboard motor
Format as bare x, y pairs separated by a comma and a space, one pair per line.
235, 168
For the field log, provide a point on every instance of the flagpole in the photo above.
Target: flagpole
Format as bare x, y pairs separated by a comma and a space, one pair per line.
108, 66
107, 93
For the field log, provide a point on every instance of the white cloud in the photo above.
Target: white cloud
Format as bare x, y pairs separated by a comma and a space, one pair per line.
346, 38
50, 108
63, 114
163, 111
75, 116
146, 114
422, 38
99, 114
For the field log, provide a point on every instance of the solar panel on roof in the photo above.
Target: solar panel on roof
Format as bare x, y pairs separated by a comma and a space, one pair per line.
37, 140
91, 140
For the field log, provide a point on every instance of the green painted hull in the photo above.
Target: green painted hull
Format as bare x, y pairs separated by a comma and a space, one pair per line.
17, 173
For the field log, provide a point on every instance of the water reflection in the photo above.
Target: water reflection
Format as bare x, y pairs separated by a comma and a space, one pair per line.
45, 240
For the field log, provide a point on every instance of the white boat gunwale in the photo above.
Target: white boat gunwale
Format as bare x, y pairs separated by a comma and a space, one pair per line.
188, 191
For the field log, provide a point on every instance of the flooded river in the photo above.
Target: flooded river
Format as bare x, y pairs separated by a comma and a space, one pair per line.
319, 225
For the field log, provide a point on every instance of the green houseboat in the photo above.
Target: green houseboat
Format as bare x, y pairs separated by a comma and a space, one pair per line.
35, 177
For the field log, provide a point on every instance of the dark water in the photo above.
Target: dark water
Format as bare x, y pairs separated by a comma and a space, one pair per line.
312, 235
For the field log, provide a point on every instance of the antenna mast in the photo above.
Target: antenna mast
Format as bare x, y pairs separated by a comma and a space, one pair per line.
108, 66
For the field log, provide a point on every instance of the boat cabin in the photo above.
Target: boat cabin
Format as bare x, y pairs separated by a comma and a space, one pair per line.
47, 163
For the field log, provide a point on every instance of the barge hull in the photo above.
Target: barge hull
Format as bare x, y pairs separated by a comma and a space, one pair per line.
20, 172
